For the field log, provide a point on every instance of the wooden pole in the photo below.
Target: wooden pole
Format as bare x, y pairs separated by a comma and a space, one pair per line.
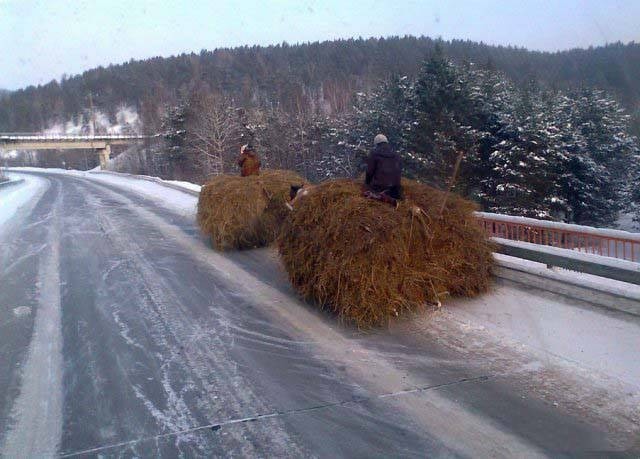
452, 181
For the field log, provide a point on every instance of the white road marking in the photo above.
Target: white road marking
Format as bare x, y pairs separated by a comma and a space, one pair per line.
37, 412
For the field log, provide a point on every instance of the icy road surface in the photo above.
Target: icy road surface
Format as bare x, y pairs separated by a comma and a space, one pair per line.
123, 334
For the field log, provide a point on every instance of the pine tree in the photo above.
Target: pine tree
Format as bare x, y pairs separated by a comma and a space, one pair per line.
442, 126
385, 109
598, 156
631, 195
174, 135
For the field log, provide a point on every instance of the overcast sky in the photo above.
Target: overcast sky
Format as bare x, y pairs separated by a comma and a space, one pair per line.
41, 40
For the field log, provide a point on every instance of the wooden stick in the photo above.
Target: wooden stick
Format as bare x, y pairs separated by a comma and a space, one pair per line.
452, 181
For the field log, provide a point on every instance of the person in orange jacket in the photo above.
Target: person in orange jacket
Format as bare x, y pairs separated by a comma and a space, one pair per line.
248, 161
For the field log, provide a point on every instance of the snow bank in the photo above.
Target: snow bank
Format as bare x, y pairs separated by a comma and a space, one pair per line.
187, 185
126, 121
558, 326
171, 197
171, 194
176, 184
15, 197
53, 170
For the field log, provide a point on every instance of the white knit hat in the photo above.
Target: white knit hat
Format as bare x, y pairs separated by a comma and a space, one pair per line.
380, 138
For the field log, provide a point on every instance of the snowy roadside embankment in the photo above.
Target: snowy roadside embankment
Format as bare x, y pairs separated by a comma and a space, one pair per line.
558, 326
188, 187
6, 181
174, 195
171, 194
24, 191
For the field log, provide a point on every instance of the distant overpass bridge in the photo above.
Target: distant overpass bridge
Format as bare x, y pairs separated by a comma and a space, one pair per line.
100, 143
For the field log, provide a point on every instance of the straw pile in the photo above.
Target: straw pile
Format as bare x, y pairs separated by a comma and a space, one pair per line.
368, 261
245, 212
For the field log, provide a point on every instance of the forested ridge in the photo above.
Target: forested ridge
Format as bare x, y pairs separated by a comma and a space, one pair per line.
547, 135
325, 73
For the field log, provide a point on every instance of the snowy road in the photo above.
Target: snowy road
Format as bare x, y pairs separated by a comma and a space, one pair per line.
123, 334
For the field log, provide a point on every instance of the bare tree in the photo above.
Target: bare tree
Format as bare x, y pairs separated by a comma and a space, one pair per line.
214, 131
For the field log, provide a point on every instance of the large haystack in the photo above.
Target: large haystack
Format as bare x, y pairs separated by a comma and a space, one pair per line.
368, 261
245, 212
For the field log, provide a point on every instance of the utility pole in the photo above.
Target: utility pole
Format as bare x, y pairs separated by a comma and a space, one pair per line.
92, 128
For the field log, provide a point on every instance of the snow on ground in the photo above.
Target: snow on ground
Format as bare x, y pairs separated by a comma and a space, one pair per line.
15, 197
127, 120
170, 198
164, 196
558, 326
510, 318
625, 222
189, 185
548, 323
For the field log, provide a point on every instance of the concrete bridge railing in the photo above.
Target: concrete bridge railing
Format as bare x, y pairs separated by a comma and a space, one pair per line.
586, 239
101, 143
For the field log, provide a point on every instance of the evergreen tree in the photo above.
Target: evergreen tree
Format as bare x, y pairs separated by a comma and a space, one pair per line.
385, 109
441, 109
598, 158
174, 135
631, 195
523, 177
527, 151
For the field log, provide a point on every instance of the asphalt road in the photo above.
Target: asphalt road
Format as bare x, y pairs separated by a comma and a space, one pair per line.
123, 334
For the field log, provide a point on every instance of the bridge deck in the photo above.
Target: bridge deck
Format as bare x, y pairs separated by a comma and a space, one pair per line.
15, 137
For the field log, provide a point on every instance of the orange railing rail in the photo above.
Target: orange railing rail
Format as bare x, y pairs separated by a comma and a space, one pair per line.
606, 242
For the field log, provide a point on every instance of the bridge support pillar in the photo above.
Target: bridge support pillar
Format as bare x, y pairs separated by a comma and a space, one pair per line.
104, 155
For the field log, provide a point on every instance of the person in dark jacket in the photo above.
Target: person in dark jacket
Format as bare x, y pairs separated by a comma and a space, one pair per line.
248, 161
384, 169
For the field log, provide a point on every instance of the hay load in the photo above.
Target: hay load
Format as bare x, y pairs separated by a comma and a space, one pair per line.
245, 212
368, 261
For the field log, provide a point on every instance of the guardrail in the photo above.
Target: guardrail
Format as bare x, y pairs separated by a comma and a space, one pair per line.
573, 248
610, 295
609, 243
44, 137
610, 268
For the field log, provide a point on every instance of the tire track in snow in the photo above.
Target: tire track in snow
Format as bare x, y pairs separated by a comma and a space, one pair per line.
208, 367
37, 412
